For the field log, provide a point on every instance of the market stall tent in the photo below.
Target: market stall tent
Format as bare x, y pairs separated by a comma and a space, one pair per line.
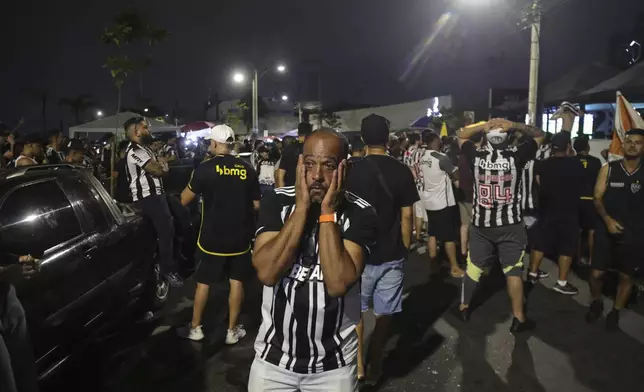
114, 124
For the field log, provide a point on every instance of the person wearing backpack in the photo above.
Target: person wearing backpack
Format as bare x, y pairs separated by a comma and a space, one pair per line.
388, 185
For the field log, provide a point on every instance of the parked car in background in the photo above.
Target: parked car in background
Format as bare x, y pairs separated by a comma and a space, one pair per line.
98, 258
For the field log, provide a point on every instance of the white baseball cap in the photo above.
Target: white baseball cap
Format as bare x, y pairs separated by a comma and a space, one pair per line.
221, 134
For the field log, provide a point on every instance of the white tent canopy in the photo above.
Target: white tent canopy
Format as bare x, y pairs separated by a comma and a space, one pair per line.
115, 123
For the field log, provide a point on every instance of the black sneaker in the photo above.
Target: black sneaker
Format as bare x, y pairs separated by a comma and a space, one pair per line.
566, 289
594, 311
519, 327
542, 274
612, 320
174, 280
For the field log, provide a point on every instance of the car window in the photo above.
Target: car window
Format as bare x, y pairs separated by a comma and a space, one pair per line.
92, 203
35, 218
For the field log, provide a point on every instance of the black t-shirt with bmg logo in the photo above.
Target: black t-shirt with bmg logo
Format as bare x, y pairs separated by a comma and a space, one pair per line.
228, 186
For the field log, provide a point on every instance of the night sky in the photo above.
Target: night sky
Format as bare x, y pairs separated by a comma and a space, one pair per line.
360, 48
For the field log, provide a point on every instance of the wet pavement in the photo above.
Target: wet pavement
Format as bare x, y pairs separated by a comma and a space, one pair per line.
429, 351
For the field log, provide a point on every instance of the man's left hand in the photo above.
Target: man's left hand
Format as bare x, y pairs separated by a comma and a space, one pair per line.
331, 199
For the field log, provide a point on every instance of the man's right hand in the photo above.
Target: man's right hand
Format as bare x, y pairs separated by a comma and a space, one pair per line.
302, 197
613, 226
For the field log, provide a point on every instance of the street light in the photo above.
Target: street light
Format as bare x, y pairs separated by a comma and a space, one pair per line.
145, 110
284, 97
239, 77
99, 114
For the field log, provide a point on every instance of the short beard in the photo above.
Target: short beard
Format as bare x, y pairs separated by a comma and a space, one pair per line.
631, 157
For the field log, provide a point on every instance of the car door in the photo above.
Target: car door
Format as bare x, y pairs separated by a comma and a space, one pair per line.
116, 247
63, 300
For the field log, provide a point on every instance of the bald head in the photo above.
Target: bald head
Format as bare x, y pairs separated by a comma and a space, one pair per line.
325, 141
323, 152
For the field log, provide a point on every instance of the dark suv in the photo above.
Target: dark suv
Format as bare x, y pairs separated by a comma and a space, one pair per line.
97, 257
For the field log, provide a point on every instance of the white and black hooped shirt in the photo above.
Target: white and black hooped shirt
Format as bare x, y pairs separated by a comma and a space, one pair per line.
142, 183
497, 182
304, 330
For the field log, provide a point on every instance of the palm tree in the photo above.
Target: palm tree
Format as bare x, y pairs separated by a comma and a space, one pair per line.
42, 96
78, 105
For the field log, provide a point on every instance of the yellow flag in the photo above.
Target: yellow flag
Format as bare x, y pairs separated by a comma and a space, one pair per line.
444, 130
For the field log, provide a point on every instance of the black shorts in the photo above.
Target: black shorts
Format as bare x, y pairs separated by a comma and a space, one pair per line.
588, 216
624, 253
442, 224
505, 244
557, 236
213, 269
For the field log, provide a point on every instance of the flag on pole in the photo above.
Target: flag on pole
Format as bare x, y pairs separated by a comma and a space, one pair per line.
626, 118
444, 130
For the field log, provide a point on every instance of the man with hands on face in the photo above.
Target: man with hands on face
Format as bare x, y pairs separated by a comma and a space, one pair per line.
311, 243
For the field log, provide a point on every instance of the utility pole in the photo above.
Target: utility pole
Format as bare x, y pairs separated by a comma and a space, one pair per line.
535, 55
255, 102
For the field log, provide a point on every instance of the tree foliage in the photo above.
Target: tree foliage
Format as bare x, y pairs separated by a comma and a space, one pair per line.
246, 107
130, 27
78, 105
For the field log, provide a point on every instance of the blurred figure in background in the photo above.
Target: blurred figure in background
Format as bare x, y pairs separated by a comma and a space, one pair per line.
265, 169
53, 152
31, 150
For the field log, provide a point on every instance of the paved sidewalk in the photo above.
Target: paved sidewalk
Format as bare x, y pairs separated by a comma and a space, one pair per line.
430, 351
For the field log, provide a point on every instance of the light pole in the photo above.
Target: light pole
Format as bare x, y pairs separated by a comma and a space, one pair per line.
239, 78
535, 57
534, 16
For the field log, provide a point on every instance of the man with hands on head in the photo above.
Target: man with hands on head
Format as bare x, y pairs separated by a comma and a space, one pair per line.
497, 230
311, 243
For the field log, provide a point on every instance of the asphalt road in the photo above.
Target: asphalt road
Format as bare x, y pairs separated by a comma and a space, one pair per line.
430, 350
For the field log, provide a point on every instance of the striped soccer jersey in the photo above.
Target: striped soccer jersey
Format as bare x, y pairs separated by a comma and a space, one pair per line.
142, 183
529, 191
437, 169
303, 329
497, 182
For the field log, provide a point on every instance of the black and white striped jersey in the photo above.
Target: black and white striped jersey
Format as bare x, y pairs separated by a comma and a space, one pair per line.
142, 183
497, 182
529, 186
544, 151
304, 330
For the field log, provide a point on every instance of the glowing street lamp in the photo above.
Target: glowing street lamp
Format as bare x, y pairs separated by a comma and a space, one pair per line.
284, 97
99, 113
281, 68
238, 77
145, 110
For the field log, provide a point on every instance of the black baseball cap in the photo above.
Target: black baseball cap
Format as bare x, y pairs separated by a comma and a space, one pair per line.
560, 141
375, 130
75, 144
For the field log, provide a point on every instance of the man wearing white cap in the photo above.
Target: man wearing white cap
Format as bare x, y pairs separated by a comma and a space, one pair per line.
230, 191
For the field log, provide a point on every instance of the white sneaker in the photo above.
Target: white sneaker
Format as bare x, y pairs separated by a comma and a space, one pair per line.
234, 335
187, 332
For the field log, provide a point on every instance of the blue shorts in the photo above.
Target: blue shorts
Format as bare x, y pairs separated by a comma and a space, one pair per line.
383, 283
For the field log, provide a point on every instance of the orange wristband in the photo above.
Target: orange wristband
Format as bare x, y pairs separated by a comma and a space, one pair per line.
328, 218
